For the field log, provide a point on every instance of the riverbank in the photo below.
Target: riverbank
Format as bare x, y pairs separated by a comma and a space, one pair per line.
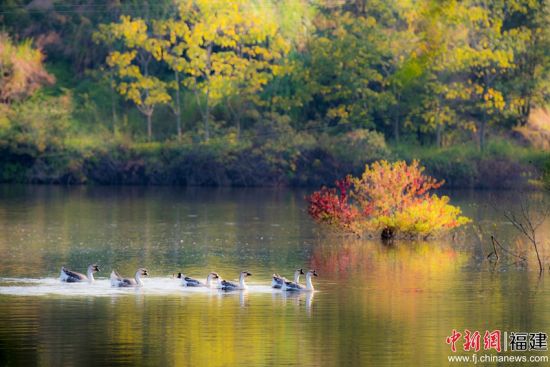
299, 160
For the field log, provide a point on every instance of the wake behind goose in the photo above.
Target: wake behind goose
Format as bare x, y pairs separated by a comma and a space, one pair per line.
190, 282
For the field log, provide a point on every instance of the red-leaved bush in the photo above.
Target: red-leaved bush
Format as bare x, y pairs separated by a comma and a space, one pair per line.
332, 205
391, 197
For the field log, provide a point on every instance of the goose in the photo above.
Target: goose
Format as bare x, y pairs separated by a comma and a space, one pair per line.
118, 281
70, 276
277, 281
190, 282
229, 286
292, 286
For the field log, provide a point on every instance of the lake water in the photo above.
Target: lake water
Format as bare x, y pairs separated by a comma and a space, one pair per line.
374, 304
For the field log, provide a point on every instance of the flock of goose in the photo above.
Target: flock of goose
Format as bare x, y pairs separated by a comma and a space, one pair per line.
213, 280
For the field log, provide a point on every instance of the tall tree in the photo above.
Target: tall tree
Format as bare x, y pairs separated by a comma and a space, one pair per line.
230, 48
345, 63
132, 65
483, 56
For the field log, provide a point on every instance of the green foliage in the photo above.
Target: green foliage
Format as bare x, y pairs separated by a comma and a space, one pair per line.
36, 126
503, 164
358, 147
310, 90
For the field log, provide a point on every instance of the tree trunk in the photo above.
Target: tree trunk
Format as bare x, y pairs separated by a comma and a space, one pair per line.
206, 117
238, 118
113, 104
149, 126
237, 115
438, 132
396, 121
207, 104
177, 105
482, 132
396, 129
387, 234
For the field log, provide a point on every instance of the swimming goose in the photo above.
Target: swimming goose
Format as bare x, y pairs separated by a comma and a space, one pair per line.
229, 286
118, 281
277, 281
70, 276
292, 286
190, 282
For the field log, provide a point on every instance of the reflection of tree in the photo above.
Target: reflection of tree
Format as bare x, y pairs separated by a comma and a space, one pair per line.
350, 258
400, 276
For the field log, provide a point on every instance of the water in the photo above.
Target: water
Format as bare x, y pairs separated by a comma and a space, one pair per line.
374, 304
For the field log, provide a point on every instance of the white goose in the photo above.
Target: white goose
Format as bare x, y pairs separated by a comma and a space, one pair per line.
229, 286
291, 286
277, 281
190, 282
118, 281
70, 276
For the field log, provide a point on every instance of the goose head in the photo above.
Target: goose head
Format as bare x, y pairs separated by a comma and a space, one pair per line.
179, 276
93, 268
309, 283
143, 272
212, 275
243, 276
297, 274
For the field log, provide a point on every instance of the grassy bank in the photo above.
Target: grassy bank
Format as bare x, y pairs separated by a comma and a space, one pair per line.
287, 158
503, 164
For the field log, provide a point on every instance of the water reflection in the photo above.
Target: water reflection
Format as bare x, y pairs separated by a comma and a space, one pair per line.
388, 305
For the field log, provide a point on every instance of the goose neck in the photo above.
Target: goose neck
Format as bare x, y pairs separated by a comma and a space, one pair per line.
242, 283
90, 275
309, 283
138, 277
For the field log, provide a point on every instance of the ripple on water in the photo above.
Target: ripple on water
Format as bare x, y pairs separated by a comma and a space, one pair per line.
102, 287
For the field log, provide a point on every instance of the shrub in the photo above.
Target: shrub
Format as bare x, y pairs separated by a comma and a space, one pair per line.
332, 206
394, 198
358, 147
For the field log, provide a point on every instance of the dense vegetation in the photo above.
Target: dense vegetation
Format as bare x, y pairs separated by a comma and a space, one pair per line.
395, 200
265, 92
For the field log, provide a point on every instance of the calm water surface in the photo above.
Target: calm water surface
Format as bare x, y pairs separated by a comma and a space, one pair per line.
374, 304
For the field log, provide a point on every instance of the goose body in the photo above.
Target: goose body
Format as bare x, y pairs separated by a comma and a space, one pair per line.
277, 280
230, 286
118, 281
190, 282
70, 276
294, 287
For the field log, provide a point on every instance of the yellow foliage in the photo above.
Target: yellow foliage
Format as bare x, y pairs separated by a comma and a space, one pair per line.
426, 218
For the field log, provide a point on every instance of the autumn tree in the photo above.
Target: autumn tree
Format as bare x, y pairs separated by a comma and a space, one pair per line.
22, 70
132, 64
225, 49
482, 57
393, 198
176, 40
